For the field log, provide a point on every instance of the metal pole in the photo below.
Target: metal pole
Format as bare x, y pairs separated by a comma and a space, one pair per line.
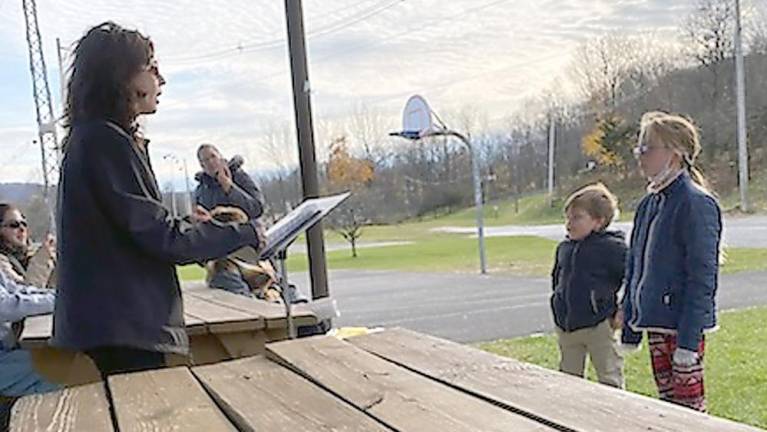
308, 160
552, 143
282, 257
740, 88
190, 206
477, 200
174, 209
62, 79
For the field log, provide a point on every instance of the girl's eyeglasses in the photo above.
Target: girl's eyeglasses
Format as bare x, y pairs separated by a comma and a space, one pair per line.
643, 149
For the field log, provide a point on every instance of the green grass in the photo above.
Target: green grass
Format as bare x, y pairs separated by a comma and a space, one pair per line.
744, 259
191, 272
523, 255
440, 253
736, 365
437, 252
533, 210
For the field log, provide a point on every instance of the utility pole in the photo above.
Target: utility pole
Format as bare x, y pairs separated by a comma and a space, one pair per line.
308, 160
62, 76
552, 144
46, 122
740, 93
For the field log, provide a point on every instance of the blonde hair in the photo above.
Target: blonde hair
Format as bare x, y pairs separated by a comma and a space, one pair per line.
596, 200
676, 133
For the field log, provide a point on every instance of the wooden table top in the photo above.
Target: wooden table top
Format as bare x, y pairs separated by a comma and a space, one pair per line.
395, 380
206, 311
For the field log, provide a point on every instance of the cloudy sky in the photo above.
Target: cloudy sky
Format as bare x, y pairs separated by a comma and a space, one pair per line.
228, 74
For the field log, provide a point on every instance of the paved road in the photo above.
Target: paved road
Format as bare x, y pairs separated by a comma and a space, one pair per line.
472, 308
750, 231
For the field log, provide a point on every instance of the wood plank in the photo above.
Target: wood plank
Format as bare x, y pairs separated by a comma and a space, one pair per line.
194, 325
259, 395
560, 399
214, 348
37, 331
273, 314
67, 368
74, 409
400, 398
221, 319
164, 400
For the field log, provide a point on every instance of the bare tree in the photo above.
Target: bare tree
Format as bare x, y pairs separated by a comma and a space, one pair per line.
278, 150
709, 30
757, 31
345, 172
367, 129
601, 66
348, 224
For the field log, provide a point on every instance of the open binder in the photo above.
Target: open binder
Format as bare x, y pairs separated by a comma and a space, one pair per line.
280, 235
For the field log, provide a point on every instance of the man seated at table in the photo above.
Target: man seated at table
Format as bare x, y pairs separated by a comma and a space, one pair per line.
17, 375
224, 183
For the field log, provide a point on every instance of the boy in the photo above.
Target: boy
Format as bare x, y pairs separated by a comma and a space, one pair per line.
588, 272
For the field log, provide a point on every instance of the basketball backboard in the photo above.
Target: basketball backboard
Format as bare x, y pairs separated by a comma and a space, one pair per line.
417, 119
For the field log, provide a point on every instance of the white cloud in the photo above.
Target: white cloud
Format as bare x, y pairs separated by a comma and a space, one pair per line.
489, 54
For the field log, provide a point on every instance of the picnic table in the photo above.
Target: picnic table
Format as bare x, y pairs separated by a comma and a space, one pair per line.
395, 380
221, 326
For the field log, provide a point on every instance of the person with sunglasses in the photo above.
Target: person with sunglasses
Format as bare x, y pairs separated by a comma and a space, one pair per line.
672, 272
18, 259
22, 276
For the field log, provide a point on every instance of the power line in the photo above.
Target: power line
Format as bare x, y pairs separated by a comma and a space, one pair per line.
438, 86
431, 23
279, 42
422, 26
471, 77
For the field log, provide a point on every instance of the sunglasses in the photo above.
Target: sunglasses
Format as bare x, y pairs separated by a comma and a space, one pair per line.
15, 224
643, 149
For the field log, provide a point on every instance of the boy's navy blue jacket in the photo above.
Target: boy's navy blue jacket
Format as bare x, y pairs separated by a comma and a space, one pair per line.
118, 247
673, 266
586, 278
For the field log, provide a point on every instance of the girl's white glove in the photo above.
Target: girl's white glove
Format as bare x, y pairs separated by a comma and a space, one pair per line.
685, 357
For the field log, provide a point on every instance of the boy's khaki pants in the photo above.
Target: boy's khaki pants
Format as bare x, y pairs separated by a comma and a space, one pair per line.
601, 344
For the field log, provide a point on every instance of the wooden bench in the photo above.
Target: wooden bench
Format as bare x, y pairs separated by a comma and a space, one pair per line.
221, 326
391, 381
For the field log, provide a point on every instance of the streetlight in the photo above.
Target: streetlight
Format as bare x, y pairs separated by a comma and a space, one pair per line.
418, 123
178, 165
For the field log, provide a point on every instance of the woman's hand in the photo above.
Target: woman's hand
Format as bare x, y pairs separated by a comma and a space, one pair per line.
224, 178
261, 233
49, 246
616, 322
201, 215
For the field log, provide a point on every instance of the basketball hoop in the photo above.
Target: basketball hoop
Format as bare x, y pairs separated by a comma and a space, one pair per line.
417, 123
417, 119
